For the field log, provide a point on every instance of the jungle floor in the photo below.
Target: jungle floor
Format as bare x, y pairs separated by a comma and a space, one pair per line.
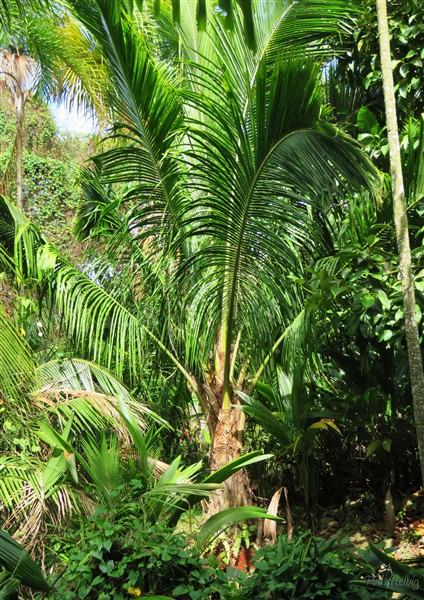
355, 525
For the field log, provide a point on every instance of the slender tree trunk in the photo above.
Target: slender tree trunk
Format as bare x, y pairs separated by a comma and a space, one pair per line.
402, 235
19, 146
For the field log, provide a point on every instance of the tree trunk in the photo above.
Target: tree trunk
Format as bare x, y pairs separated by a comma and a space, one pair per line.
226, 427
19, 146
402, 234
227, 443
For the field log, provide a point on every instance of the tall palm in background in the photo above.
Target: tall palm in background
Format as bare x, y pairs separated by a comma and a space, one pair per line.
43, 52
19, 72
227, 167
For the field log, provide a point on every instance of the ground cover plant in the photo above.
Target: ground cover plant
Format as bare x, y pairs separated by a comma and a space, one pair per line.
118, 554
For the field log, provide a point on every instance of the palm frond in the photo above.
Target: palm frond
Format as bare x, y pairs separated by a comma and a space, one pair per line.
305, 24
17, 368
149, 116
173, 487
8, 584
89, 392
102, 464
19, 243
262, 174
18, 477
20, 564
98, 214
99, 324
84, 81
287, 26
34, 491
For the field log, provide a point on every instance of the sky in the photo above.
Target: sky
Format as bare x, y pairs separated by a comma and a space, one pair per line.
72, 121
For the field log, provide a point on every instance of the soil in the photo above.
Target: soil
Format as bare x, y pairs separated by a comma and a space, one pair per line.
408, 536
360, 527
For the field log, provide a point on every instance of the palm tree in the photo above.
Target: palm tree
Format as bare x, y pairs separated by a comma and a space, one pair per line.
87, 443
402, 231
227, 159
19, 72
43, 52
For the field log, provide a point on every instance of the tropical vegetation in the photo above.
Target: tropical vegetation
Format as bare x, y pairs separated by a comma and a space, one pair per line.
203, 305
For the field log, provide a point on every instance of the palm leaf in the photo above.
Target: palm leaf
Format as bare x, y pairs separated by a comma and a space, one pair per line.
102, 464
295, 165
226, 518
98, 214
8, 7
17, 368
218, 477
89, 392
306, 24
84, 80
266, 419
19, 476
8, 586
149, 114
18, 562
34, 491
19, 242
286, 27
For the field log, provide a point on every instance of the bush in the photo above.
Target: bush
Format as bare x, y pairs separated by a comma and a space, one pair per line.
306, 567
119, 556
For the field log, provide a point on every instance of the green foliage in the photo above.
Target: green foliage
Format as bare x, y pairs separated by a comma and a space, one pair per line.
20, 567
228, 544
222, 520
305, 567
220, 186
44, 410
50, 187
360, 289
372, 135
41, 131
120, 554
361, 64
50, 168
295, 421
7, 127
363, 370
401, 577
117, 554
81, 411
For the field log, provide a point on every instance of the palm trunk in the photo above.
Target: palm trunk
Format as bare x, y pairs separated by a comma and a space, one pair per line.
19, 146
402, 234
227, 444
227, 438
